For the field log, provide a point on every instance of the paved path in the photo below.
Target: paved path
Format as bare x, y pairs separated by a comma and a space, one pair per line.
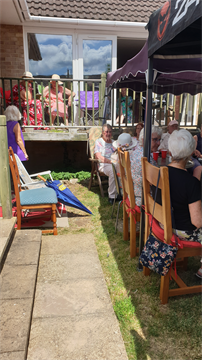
73, 317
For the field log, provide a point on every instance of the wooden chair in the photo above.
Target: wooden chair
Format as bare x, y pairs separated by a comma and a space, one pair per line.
94, 134
129, 207
162, 214
42, 198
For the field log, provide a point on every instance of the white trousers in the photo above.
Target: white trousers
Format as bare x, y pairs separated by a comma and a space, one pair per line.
107, 170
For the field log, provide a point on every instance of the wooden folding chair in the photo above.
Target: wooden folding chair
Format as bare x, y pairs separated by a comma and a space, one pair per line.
94, 134
42, 198
162, 214
129, 207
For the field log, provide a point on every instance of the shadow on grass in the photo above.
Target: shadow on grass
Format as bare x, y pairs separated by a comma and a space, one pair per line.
152, 321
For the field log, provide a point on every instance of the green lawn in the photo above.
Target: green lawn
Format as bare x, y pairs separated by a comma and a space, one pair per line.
150, 330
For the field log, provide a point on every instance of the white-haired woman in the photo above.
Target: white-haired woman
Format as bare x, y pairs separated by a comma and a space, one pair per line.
14, 132
185, 189
135, 159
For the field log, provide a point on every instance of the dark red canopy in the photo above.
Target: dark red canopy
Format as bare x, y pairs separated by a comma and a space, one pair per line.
170, 75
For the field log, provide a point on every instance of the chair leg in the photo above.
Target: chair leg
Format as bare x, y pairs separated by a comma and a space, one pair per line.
117, 216
113, 208
55, 232
19, 218
91, 180
146, 271
132, 237
100, 184
164, 288
125, 224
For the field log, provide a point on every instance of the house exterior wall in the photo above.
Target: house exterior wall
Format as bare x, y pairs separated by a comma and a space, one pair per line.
11, 51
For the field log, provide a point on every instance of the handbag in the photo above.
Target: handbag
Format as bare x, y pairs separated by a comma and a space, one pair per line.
157, 255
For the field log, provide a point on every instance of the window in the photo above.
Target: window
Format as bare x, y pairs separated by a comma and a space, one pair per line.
50, 54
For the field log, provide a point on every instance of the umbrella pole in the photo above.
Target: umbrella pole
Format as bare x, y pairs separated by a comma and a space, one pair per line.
147, 146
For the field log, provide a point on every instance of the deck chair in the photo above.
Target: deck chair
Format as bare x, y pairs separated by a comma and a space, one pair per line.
119, 191
129, 207
27, 181
43, 198
162, 214
93, 134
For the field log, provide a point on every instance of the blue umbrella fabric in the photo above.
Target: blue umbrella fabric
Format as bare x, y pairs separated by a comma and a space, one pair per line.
65, 196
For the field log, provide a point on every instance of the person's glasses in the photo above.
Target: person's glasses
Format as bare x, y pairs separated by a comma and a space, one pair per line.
156, 139
107, 132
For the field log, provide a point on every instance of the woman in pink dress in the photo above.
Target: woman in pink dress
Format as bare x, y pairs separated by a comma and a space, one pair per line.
23, 98
59, 96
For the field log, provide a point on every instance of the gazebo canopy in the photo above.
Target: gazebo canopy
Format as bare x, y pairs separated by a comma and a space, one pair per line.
175, 30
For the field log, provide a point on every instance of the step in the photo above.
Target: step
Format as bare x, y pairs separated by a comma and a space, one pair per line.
6, 236
18, 283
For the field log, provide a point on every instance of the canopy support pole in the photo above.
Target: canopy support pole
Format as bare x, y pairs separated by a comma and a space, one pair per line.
147, 146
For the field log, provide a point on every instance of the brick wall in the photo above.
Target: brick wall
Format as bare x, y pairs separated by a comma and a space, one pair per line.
11, 51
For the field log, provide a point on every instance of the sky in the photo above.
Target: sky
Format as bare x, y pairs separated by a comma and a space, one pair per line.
56, 53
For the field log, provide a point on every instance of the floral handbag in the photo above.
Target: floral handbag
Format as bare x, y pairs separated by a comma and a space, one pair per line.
157, 255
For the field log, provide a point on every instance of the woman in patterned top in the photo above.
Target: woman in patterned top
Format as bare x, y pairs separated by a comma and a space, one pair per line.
135, 159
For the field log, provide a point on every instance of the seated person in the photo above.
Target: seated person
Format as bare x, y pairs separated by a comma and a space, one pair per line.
198, 139
126, 143
196, 170
135, 160
103, 151
185, 189
123, 108
138, 128
29, 100
59, 96
173, 125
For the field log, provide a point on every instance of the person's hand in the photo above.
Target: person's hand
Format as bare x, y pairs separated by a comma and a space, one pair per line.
27, 156
197, 153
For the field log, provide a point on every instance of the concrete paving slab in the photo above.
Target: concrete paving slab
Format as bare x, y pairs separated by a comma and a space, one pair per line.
14, 322
82, 296
28, 235
20, 254
69, 266
87, 337
15, 355
17, 281
67, 244
6, 226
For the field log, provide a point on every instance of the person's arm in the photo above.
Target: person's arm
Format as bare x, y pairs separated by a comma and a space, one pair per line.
195, 210
68, 93
102, 158
18, 139
23, 95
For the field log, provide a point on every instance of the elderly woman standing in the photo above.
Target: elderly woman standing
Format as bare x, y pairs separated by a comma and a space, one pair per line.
14, 132
185, 189
135, 159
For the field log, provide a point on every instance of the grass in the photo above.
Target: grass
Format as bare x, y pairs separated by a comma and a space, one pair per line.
150, 330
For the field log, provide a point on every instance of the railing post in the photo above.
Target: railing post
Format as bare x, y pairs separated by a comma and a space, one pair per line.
5, 182
103, 85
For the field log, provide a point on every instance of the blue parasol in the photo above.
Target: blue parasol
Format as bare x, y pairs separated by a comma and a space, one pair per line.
65, 196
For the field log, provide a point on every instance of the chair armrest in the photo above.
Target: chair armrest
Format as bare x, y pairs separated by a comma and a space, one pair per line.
32, 183
95, 160
48, 172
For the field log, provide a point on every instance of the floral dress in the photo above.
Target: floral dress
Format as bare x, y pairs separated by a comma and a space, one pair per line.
53, 99
136, 171
31, 106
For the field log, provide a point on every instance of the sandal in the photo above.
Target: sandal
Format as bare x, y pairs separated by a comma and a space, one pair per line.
199, 273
